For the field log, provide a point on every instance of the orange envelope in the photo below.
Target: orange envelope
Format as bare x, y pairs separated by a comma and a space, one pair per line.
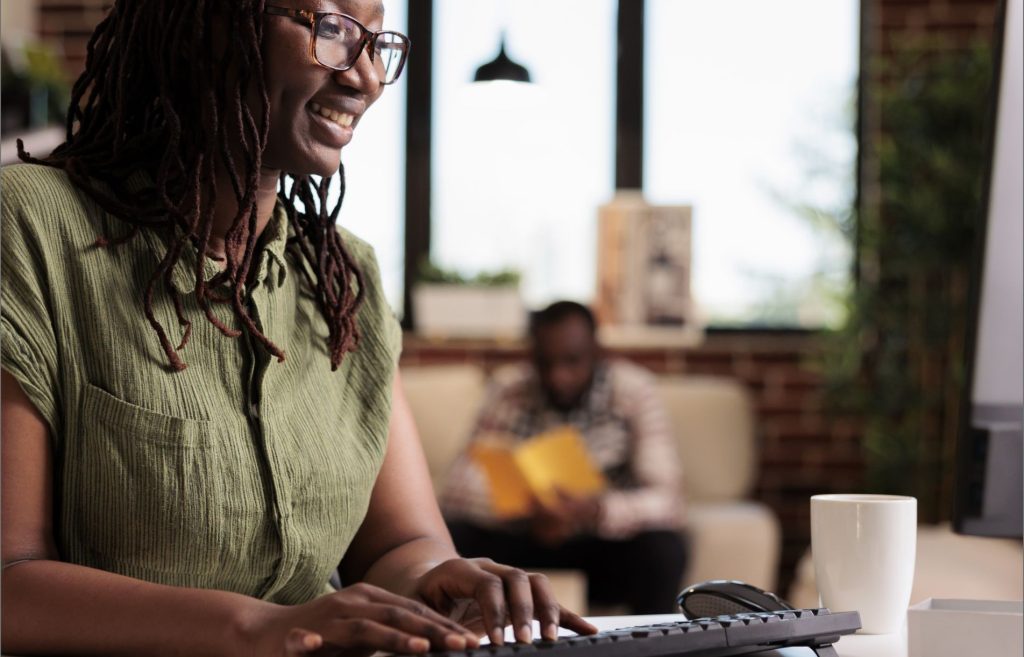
519, 473
510, 492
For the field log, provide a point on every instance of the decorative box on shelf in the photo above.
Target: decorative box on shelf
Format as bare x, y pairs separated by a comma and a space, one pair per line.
445, 310
643, 274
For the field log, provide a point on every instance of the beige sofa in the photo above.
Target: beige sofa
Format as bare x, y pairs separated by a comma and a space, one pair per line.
731, 536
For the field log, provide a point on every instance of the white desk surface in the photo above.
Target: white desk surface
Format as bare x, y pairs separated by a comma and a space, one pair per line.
853, 645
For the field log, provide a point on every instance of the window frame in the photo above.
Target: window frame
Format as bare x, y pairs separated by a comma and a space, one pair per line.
629, 137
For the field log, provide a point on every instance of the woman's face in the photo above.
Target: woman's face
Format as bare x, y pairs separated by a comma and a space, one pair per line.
301, 139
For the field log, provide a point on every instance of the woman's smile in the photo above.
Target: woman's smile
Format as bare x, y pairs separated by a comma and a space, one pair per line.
334, 127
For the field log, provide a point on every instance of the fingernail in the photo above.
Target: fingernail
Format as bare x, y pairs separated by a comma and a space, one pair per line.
497, 635
524, 634
418, 644
455, 642
312, 641
550, 631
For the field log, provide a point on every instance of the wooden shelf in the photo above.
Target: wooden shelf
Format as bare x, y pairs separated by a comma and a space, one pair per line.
614, 338
651, 337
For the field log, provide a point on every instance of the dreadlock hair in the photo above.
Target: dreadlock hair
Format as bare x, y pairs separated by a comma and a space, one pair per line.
158, 96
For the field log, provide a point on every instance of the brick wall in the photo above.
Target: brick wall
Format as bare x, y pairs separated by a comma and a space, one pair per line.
961, 20
68, 24
906, 286
803, 451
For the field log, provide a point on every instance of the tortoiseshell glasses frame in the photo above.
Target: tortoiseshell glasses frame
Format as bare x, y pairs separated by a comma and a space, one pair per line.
348, 37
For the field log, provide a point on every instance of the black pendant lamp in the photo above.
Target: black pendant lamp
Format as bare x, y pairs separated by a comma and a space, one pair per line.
502, 68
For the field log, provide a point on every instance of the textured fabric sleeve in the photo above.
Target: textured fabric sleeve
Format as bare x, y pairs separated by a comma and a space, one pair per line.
28, 348
656, 502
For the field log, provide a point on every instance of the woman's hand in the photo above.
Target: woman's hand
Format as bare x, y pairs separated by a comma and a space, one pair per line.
485, 597
356, 621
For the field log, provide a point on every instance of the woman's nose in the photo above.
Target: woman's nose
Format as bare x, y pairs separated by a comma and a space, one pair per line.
363, 75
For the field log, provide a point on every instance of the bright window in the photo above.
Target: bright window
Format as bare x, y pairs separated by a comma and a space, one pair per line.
374, 205
749, 118
520, 170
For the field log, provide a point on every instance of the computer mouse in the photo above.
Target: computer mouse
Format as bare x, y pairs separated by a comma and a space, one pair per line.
727, 596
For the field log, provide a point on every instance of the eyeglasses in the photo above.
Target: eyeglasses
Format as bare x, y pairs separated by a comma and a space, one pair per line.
337, 40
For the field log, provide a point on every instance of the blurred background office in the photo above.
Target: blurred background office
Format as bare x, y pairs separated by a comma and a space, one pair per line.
819, 168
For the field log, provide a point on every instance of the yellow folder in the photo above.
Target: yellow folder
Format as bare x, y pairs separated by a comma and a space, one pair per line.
535, 469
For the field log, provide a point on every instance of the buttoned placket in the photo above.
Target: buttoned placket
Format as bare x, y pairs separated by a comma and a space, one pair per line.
257, 297
258, 360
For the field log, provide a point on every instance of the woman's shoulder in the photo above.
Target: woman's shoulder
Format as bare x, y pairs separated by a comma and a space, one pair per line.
44, 214
35, 190
34, 182
360, 250
44, 202
378, 321
365, 258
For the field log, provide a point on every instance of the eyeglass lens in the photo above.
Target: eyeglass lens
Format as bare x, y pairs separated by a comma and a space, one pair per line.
338, 46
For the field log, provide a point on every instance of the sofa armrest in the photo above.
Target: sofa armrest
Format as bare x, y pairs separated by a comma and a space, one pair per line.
444, 400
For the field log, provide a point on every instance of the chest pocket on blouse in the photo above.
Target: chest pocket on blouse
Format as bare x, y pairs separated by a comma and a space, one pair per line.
142, 491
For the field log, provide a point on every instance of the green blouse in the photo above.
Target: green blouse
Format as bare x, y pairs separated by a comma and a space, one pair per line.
240, 473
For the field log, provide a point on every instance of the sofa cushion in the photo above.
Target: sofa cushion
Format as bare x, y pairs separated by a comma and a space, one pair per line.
734, 540
712, 418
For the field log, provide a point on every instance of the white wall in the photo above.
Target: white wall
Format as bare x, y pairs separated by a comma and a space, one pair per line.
1000, 357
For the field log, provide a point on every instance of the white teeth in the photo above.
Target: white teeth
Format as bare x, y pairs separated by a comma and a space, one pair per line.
340, 118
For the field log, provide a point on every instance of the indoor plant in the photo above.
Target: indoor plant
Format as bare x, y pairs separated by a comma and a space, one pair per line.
450, 304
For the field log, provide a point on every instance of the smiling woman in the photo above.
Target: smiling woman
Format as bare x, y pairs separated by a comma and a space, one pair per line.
153, 505
336, 42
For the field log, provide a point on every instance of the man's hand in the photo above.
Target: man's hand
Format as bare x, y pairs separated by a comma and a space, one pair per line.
571, 515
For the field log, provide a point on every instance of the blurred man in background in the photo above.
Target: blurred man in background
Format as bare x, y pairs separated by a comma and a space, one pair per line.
628, 538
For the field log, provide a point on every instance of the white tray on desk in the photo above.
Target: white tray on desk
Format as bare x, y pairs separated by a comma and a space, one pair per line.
954, 628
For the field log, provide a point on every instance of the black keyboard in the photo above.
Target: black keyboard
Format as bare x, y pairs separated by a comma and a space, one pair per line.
722, 636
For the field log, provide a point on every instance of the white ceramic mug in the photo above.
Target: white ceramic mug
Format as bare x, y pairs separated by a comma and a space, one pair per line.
863, 548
